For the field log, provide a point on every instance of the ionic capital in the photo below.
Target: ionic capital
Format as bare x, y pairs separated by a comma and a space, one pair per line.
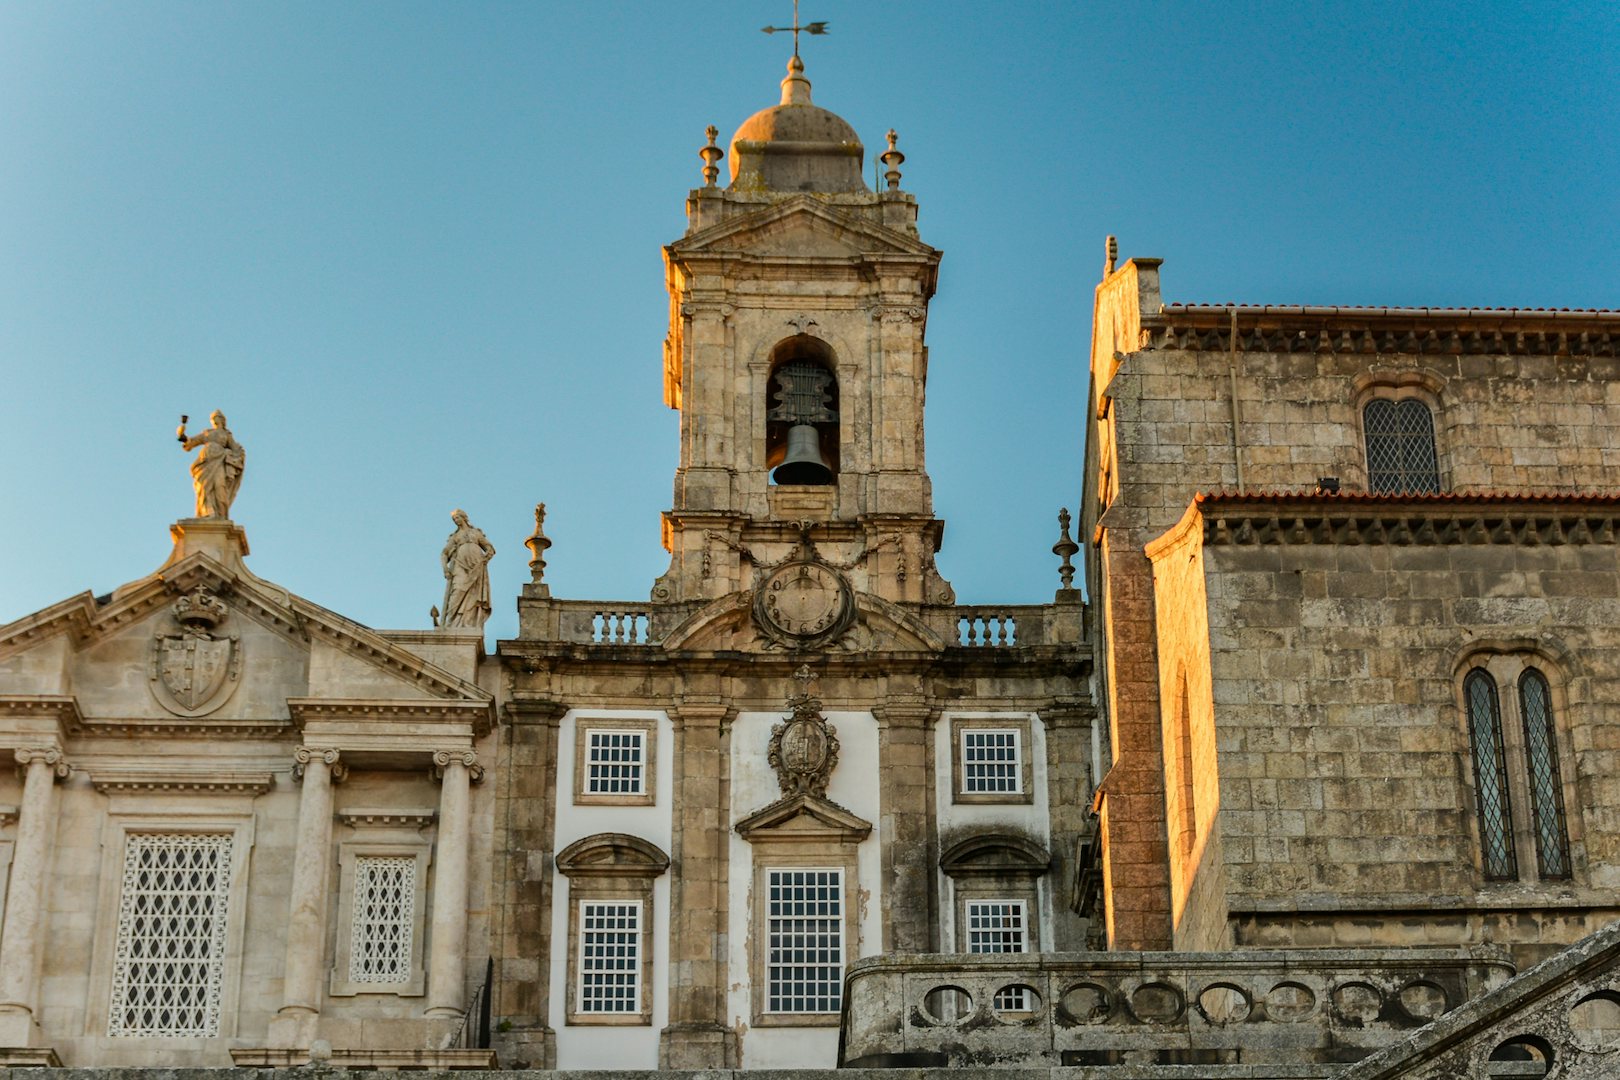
49, 755
325, 755
467, 758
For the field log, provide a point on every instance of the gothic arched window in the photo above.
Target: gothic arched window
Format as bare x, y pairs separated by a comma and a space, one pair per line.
1490, 776
1400, 447
1545, 783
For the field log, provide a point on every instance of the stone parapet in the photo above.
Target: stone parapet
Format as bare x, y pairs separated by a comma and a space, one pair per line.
1246, 1007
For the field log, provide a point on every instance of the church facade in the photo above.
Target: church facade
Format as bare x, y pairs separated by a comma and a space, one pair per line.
1324, 766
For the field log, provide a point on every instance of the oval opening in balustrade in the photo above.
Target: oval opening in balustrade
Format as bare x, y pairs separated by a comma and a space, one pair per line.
1223, 1003
1423, 1001
1157, 1003
1087, 1003
1016, 1003
947, 1004
1358, 1003
1594, 1022
1524, 1058
1289, 1002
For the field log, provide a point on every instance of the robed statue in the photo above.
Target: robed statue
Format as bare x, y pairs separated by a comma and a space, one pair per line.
466, 575
217, 471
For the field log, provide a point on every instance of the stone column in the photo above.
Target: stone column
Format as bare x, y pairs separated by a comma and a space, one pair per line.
906, 831
697, 1036
447, 960
23, 934
301, 995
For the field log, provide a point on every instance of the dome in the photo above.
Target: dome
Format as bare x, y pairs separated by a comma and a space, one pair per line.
796, 146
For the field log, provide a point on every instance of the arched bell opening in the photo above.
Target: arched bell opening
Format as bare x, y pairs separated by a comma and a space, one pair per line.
801, 413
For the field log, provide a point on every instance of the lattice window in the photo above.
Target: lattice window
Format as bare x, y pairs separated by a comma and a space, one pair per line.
1400, 447
610, 956
992, 761
1546, 786
1000, 926
615, 762
804, 971
383, 919
1490, 776
168, 966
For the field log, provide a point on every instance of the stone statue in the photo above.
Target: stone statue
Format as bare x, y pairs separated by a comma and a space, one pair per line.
217, 471
466, 575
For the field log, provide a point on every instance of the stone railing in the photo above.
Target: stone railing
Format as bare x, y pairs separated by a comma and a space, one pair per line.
604, 622
1248, 1006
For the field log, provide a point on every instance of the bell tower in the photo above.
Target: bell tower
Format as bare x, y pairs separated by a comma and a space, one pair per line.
798, 307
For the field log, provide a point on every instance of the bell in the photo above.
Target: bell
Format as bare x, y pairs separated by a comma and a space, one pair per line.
803, 463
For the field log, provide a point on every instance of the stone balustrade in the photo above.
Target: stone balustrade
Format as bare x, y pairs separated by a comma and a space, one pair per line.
1247, 1006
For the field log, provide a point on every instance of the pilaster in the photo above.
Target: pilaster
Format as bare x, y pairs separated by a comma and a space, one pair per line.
23, 936
906, 830
293, 1027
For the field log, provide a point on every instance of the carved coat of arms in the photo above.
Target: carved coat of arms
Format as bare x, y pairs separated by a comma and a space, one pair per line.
194, 670
804, 750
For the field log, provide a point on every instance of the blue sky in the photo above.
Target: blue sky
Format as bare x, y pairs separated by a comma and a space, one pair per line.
412, 249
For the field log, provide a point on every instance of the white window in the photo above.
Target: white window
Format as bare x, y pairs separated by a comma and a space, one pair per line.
805, 964
383, 919
1000, 926
610, 956
615, 762
169, 961
992, 761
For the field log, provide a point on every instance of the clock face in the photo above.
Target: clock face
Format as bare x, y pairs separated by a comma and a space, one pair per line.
803, 601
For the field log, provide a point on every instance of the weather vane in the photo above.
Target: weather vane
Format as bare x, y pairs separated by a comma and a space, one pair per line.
808, 28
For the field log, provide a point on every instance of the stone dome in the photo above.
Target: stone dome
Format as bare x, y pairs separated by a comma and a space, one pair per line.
796, 146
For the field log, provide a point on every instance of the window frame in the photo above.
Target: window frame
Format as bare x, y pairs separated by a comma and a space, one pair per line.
647, 728
1019, 726
1396, 386
577, 996
846, 930
381, 834
609, 868
1016, 1000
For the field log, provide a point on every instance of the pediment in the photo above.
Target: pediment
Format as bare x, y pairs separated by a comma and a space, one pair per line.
727, 625
802, 225
612, 855
994, 853
803, 817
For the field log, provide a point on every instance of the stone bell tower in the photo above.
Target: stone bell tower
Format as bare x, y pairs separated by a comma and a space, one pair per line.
798, 305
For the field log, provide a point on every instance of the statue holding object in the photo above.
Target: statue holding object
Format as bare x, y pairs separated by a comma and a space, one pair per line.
216, 472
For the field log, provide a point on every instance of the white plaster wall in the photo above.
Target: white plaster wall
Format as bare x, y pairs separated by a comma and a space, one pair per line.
854, 786
956, 820
612, 1047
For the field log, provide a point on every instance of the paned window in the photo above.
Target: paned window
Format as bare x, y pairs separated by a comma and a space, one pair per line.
992, 762
168, 964
1400, 447
1490, 776
1546, 785
383, 919
615, 762
805, 925
610, 956
1000, 926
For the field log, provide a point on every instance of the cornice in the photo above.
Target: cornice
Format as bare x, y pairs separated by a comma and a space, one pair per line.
1278, 518
479, 714
148, 779
387, 817
63, 708
1408, 331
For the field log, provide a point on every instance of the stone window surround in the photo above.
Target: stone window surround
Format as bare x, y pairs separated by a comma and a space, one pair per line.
1018, 723
136, 815
994, 866
842, 858
383, 833
1504, 662
1401, 385
610, 867
648, 726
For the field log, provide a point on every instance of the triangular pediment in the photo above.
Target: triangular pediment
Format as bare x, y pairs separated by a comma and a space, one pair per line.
802, 226
803, 817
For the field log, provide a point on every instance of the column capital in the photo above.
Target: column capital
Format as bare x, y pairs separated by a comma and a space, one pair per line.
329, 756
467, 758
688, 712
26, 756
906, 711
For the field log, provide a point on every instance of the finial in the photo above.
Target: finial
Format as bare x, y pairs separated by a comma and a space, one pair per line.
711, 156
1065, 548
808, 28
893, 159
1112, 256
795, 88
537, 543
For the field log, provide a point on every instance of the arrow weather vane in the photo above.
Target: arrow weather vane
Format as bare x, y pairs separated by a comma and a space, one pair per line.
808, 28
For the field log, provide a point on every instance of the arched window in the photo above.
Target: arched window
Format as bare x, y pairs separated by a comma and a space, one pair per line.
1545, 783
1490, 776
801, 413
1400, 447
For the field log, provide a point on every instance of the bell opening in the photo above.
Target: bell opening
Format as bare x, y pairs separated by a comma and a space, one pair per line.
801, 413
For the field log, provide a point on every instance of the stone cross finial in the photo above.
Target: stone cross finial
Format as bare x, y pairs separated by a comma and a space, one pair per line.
538, 542
711, 156
893, 159
804, 677
1112, 256
1065, 549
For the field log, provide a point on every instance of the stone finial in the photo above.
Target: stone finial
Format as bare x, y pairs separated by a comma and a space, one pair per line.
1112, 256
893, 159
795, 88
538, 542
711, 156
1065, 549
